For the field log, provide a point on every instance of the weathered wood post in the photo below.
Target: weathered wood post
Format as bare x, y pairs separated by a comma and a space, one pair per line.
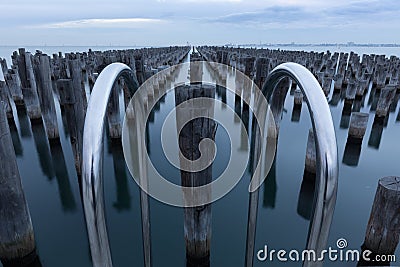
298, 102
362, 87
262, 70
380, 76
196, 72
383, 230
3, 67
327, 84
1, 71
350, 93
385, 100
293, 86
113, 114
17, 240
29, 89
238, 93
311, 156
4, 97
298, 98
45, 92
320, 77
14, 85
221, 82
246, 95
139, 67
358, 125
338, 81
197, 220
249, 66
79, 88
75, 118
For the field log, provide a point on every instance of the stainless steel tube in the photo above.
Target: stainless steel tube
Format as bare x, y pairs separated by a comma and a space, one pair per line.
92, 165
326, 148
327, 163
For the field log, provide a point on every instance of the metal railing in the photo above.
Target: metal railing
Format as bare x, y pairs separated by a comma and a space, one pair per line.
325, 143
92, 163
326, 152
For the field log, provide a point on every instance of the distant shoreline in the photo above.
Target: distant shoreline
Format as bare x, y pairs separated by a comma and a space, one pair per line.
315, 45
350, 44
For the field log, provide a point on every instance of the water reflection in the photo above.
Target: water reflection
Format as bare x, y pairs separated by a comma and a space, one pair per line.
18, 149
296, 113
270, 188
398, 117
31, 260
24, 123
305, 202
123, 196
64, 120
352, 151
358, 103
345, 119
373, 100
244, 143
42, 148
393, 105
61, 172
335, 98
376, 133
245, 115
386, 120
221, 90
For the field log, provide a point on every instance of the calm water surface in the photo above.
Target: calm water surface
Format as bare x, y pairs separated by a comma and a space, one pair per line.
52, 191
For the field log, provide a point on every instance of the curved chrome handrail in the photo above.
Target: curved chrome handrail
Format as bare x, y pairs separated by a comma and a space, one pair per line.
326, 151
325, 143
92, 164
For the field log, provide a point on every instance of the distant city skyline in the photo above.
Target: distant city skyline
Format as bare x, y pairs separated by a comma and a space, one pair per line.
177, 22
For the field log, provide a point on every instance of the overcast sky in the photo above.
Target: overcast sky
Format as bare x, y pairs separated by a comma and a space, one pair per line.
168, 22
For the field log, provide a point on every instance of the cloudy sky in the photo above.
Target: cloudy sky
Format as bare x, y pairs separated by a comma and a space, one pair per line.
167, 22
